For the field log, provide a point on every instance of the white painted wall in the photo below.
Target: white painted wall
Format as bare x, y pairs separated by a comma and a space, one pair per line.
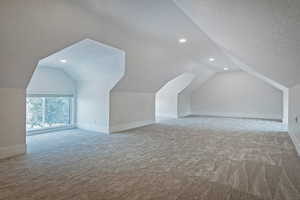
93, 105
49, 80
93, 82
184, 104
131, 110
184, 97
167, 97
166, 105
12, 121
95, 69
150, 47
294, 112
271, 82
97, 74
237, 94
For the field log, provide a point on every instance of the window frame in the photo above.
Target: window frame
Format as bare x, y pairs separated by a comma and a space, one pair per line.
72, 111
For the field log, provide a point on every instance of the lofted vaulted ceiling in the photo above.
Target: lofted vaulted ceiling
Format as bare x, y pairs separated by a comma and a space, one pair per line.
263, 34
148, 31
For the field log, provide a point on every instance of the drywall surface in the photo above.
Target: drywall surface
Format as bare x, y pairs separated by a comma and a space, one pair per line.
294, 115
285, 114
88, 60
93, 105
267, 37
48, 80
12, 122
152, 51
41, 28
96, 69
184, 104
167, 97
166, 105
267, 80
184, 97
131, 110
237, 94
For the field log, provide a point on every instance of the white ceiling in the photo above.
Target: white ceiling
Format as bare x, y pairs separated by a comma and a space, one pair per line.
87, 60
148, 31
264, 34
164, 22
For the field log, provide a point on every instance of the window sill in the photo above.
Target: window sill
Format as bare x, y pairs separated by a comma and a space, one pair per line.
48, 130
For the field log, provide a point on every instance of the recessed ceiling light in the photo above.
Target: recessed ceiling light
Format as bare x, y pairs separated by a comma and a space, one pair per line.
211, 59
182, 40
63, 61
226, 68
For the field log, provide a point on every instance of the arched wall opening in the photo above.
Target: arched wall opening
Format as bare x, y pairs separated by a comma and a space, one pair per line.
71, 88
50, 101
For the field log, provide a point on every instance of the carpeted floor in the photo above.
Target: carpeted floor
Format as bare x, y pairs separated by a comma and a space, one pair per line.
190, 158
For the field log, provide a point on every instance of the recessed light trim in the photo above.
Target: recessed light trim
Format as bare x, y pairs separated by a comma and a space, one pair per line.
182, 40
212, 59
63, 61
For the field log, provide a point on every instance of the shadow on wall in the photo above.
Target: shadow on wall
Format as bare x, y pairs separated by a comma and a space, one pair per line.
80, 77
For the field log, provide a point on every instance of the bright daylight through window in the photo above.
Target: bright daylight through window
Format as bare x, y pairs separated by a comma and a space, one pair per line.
46, 112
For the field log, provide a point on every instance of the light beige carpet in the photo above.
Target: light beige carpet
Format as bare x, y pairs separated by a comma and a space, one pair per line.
190, 158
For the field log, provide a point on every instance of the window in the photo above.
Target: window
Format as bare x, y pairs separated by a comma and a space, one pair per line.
46, 112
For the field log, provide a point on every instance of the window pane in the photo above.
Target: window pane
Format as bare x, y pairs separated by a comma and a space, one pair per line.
34, 113
57, 111
48, 112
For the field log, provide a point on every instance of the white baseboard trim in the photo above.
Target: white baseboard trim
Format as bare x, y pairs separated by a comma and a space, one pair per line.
11, 151
296, 142
239, 115
93, 128
167, 116
185, 115
132, 125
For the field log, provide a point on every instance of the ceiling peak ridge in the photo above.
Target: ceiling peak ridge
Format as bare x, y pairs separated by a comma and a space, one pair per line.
240, 64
